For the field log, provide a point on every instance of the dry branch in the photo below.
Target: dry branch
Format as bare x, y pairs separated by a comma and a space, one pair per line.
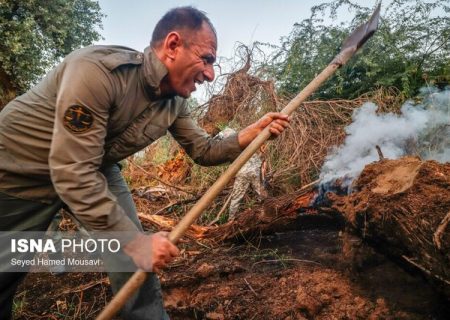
437, 236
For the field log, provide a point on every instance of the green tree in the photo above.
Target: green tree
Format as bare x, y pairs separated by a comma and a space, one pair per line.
411, 49
35, 34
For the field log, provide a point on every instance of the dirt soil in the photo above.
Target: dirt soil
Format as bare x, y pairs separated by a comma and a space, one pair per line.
308, 274
305, 274
65, 296
308, 271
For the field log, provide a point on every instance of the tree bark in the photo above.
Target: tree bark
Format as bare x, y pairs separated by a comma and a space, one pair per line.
401, 207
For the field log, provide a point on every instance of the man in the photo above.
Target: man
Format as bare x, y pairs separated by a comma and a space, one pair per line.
60, 142
251, 174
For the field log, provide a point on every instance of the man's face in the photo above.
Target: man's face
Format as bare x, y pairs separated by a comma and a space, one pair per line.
193, 63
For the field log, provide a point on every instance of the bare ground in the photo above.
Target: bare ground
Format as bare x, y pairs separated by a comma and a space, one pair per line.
309, 271
309, 274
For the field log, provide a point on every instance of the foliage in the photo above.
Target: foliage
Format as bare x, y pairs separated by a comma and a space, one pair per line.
410, 49
37, 33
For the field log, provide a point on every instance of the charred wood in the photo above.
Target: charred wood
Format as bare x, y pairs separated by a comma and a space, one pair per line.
402, 209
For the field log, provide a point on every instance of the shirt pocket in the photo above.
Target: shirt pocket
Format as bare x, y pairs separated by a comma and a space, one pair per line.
133, 141
153, 132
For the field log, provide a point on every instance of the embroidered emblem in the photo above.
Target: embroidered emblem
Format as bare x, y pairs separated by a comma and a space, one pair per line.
78, 119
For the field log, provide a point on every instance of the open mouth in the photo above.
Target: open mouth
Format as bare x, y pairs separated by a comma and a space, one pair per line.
196, 82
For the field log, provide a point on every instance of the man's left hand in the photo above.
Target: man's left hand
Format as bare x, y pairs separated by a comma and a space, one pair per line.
276, 121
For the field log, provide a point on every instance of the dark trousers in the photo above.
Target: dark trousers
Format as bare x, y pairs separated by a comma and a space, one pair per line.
24, 215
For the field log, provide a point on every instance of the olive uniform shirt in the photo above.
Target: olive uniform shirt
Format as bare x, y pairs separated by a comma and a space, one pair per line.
98, 106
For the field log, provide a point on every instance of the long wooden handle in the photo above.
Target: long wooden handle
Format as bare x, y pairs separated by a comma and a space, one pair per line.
138, 278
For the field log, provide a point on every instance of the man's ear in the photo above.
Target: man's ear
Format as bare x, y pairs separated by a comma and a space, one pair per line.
171, 44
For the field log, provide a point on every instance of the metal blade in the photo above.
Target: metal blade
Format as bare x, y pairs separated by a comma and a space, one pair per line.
360, 35
357, 38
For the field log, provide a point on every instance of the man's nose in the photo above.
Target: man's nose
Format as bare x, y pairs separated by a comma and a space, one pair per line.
209, 72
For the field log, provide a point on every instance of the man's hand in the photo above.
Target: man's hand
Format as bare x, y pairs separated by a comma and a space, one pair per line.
276, 121
151, 252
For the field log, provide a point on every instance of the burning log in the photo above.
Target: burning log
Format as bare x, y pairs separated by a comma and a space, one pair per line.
402, 208
288, 212
277, 214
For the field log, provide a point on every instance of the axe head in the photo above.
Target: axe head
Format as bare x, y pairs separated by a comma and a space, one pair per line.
360, 35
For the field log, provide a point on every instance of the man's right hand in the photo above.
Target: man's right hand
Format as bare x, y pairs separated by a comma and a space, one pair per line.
151, 252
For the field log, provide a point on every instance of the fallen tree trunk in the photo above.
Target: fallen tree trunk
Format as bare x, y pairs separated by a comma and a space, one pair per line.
288, 212
402, 208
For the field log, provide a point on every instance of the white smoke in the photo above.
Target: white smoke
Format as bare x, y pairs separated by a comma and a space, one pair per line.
420, 129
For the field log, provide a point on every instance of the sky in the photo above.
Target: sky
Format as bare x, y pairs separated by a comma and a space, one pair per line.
130, 22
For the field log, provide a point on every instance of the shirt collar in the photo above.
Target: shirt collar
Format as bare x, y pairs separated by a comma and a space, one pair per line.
154, 72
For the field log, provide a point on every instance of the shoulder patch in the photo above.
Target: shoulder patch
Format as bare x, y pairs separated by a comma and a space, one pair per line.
78, 119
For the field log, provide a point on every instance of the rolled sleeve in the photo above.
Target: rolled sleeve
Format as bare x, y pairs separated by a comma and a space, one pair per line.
77, 148
201, 147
